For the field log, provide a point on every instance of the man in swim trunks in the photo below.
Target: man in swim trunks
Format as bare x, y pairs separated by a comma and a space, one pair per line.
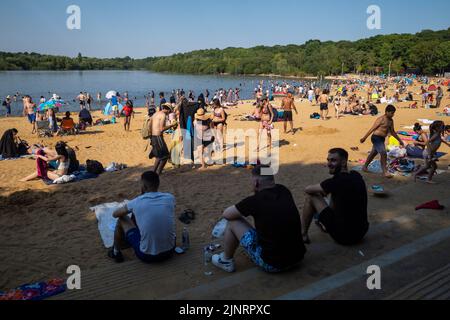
160, 150
288, 105
82, 99
380, 130
323, 100
29, 110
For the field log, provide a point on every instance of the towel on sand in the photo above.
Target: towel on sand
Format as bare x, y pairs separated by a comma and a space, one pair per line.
432, 205
106, 222
36, 291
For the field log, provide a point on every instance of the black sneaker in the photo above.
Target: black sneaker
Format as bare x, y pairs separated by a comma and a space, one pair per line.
118, 258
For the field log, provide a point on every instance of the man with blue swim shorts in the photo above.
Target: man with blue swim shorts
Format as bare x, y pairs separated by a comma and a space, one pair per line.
151, 229
383, 127
275, 244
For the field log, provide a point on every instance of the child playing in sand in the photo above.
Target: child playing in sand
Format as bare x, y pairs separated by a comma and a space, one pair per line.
429, 154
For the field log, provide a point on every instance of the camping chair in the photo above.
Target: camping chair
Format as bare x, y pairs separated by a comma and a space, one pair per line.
43, 129
67, 127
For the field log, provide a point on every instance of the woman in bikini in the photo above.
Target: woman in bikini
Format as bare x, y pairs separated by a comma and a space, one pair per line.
267, 116
219, 122
63, 163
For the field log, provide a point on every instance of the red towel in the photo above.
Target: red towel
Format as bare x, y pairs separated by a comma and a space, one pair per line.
433, 205
42, 167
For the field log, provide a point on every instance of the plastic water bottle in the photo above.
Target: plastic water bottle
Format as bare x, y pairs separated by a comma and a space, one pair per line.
207, 258
185, 239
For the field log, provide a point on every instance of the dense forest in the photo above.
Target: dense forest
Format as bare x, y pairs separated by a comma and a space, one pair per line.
427, 52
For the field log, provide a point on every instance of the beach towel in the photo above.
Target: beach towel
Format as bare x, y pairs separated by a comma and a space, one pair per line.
415, 152
42, 166
432, 205
35, 292
426, 121
106, 222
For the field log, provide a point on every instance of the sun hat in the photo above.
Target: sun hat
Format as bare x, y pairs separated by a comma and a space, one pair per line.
201, 115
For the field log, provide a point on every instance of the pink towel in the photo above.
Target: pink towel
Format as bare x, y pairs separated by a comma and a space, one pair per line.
42, 167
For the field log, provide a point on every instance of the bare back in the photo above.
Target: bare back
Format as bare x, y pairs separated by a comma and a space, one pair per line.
385, 126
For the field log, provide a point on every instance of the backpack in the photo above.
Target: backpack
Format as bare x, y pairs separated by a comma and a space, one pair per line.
95, 167
74, 163
146, 131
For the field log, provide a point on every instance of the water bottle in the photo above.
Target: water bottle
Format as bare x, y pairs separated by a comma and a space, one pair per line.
185, 239
207, 258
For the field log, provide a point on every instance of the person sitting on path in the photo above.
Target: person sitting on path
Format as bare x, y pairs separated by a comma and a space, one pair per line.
151, 229
344, 218
275, 244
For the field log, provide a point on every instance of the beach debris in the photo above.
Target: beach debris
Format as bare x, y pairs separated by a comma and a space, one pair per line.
361, 253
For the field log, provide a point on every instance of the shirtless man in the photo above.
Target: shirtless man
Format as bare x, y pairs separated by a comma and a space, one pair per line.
160, 150
380, 130
323, 100
288, 105
82, 99
29, 110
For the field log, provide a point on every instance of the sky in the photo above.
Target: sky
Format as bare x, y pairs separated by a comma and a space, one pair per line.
145, 28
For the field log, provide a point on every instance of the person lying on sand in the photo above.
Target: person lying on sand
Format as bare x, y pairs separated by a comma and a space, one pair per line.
275, 243
345, 217
380, 130
151, 229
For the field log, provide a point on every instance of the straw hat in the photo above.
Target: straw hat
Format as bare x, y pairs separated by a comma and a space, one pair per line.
8, 97
201, 115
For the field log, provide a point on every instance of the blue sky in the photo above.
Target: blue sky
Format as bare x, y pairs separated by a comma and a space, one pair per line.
142, 28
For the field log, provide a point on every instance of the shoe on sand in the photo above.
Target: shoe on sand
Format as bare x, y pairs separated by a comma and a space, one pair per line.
226, 265
118, 257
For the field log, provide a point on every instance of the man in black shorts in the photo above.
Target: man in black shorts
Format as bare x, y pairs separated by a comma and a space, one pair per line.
323, 99
288, 105
159, 147
344, 218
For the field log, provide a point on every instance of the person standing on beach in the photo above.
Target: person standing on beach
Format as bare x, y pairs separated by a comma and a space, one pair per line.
128, 112
383, 127
323, 100
439, 96
288, 105
163, 100
159, 146
99, 97
29, 110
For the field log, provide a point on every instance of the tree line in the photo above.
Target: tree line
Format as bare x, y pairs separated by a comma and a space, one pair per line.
427, 52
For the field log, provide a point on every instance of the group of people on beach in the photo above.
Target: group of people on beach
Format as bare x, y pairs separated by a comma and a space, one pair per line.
277, 240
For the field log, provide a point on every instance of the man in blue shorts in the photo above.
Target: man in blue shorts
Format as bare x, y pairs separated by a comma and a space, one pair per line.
275, 244
150, 231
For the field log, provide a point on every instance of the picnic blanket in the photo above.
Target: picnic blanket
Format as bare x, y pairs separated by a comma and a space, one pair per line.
37, 291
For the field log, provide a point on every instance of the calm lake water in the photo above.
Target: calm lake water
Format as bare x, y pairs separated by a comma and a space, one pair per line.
68, 85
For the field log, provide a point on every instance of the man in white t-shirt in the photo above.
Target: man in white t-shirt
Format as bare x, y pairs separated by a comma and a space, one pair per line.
151, 229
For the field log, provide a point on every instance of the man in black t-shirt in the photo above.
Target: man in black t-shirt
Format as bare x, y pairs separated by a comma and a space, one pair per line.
275, 243
345, 217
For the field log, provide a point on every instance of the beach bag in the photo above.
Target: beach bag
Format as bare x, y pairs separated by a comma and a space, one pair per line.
146, 131
95, 167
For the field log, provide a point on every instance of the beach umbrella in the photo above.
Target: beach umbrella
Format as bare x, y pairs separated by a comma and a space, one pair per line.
47, 105
111, 94
432, 88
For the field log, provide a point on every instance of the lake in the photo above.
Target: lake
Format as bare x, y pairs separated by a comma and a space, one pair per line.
68, 85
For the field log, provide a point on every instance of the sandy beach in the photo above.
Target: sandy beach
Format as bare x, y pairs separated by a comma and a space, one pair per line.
44, 229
